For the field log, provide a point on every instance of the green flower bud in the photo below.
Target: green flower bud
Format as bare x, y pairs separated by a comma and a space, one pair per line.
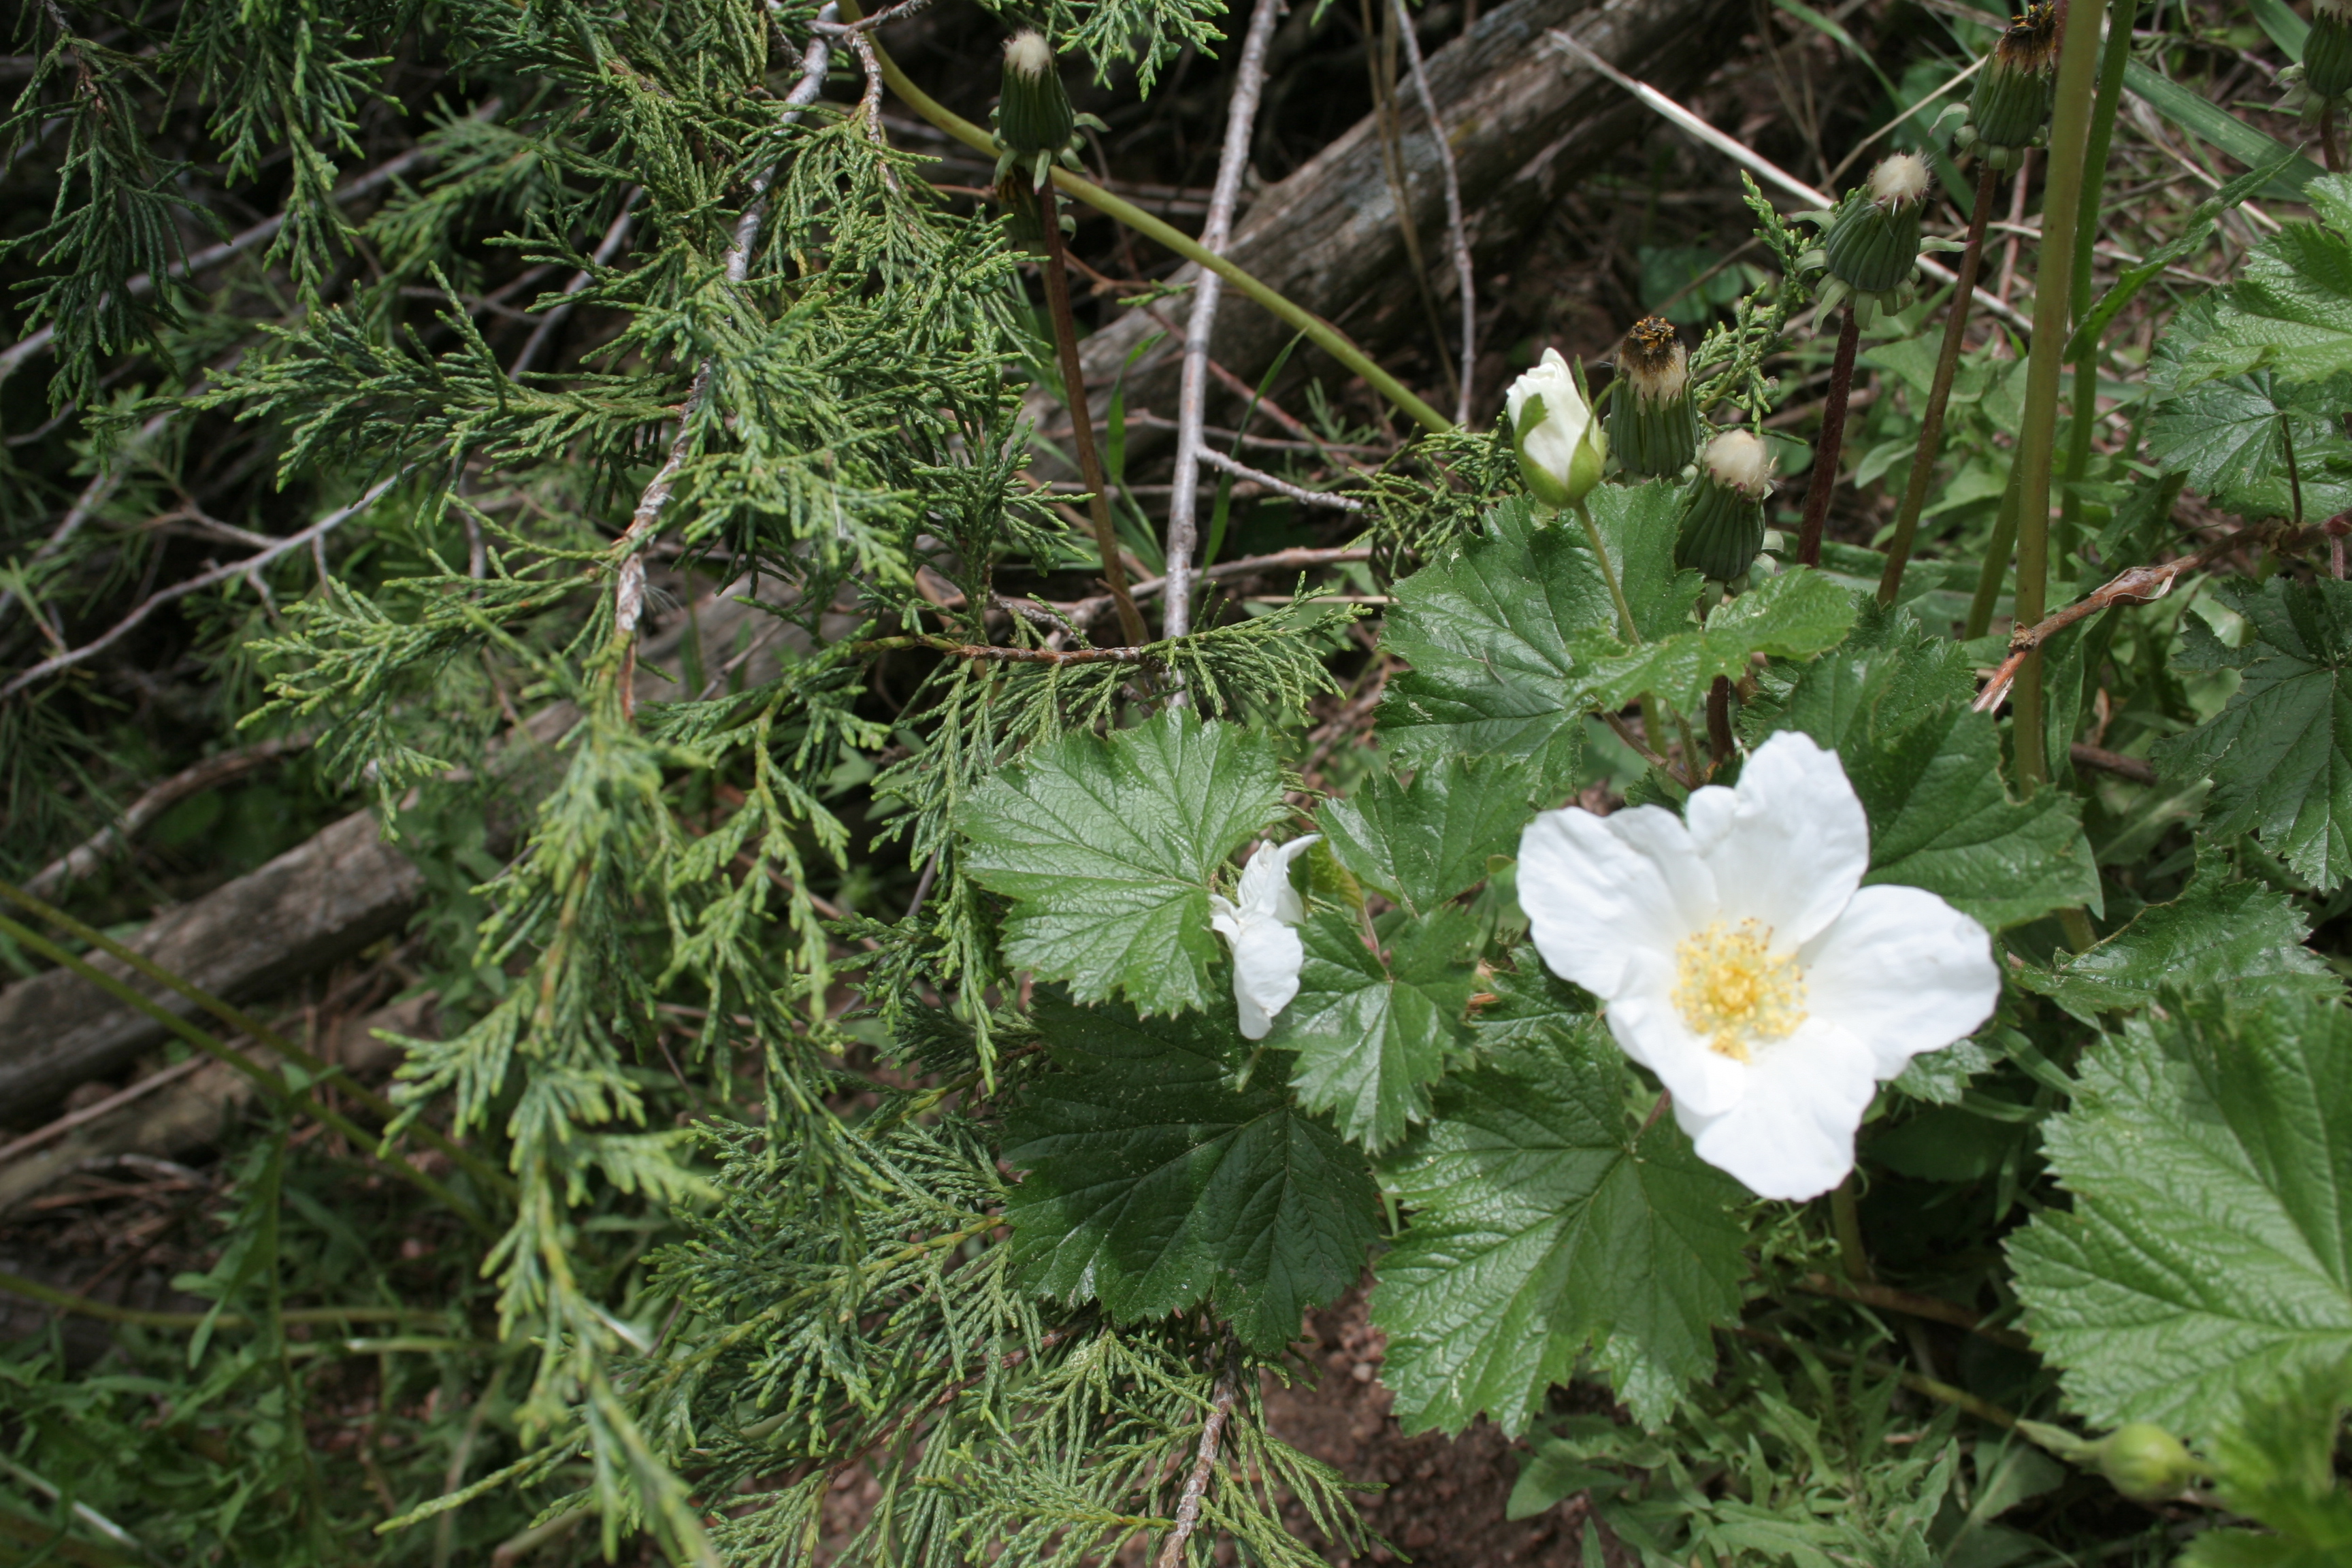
2145, 1462
1651, 427
1723, 520
1561, 446
2010, 109
1034, 114
2327, 53
1873, 242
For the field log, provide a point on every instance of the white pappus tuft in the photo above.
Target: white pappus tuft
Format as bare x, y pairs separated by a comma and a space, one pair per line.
1898, 181
1027, 54
1738, 459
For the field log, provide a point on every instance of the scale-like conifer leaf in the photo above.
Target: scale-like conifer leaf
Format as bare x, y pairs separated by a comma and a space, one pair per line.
1547, 1224
1153, 1186
1106, 848
2207, 1249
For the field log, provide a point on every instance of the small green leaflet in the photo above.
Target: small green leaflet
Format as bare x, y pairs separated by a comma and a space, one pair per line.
2207, 1250
2276, 1464
1107, 848
1489, 631
2280, 753
1421, 844
1927, 767
1546, 1225
2219, 933
1794, 614
2230, 434
1529, 1002
1153, 1186
1372, 1031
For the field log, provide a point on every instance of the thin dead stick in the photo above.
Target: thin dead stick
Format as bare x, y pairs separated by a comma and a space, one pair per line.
1204, 1464
111, 840
203, 580
1682, 117
609, 247
88, 1113
1192, 391
1299, 493
629, 591
94, 495
1939, 395
1827, 450
1934, 1308
1456, 230
236, 245
2140, 585
1009, 655
2086, 755
1084, 611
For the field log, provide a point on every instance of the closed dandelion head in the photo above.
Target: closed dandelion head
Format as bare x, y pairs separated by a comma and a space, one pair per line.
1035, 120
2008, 107
1027, 55
1723, 519
1870, 248
2325, 76
1653, 429
1738, 459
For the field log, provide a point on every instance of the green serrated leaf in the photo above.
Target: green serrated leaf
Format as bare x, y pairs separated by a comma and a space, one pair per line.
2290, 310
1153, 1186
2217, 932
1489, 631
1372, 1031
1895, 706
1106, 849
1529, 1002
2231, 436
1424, 843
2280, 753
1794, 614
1547, 1224
2207, 1249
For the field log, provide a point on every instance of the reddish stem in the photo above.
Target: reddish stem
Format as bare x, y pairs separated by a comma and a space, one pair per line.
1825, 453
1719, 720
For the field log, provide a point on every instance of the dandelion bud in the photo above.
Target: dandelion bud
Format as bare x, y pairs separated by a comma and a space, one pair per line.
2008, 110
1561, 444
1723, 521
1870, 245
2145, 1462
2327, 53
1035, 123
1651, 428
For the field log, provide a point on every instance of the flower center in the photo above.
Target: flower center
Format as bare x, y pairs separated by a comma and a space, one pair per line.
1730, 988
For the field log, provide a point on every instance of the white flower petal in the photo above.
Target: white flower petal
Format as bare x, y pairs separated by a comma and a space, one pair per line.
1903, 972
1791, 1134
1648, 1028
1790, 845
1599, 889
1267, 956
1266, 891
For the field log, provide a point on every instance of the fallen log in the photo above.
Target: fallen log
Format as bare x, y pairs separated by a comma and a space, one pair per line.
1523, 120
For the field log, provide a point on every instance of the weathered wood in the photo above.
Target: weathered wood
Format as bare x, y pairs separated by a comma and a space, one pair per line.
1523, 120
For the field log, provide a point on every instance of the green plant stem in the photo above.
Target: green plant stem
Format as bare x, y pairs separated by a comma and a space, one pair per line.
2053, 274
1996, 561
83, 1306
1082, 421
1318, 332
2083, 412
1940, 393
299, 1100
1959, 1398
1846, 1221
1609, 574
237, 1019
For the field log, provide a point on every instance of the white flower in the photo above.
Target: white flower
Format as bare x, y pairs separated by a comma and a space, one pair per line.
1561, 446
1741, 960
1257, 923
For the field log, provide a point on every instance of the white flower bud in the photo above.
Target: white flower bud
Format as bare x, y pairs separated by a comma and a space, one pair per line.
1898, 181
1739, 460
1561, 444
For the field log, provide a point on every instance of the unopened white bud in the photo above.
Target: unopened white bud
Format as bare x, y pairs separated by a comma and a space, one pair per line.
1898, 181
1027, 54
1739, 460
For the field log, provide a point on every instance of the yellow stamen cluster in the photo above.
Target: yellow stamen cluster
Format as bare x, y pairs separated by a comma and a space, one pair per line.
1730, 988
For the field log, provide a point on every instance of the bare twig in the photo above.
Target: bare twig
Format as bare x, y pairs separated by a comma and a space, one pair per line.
629, 591
2133, 768
1084, 611
203, 580
1191, 397
1456, 230
88, 1113
1300, 493
1010, 654
236, 245
111, 840
2140, 585
1204, 1464
94, 495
